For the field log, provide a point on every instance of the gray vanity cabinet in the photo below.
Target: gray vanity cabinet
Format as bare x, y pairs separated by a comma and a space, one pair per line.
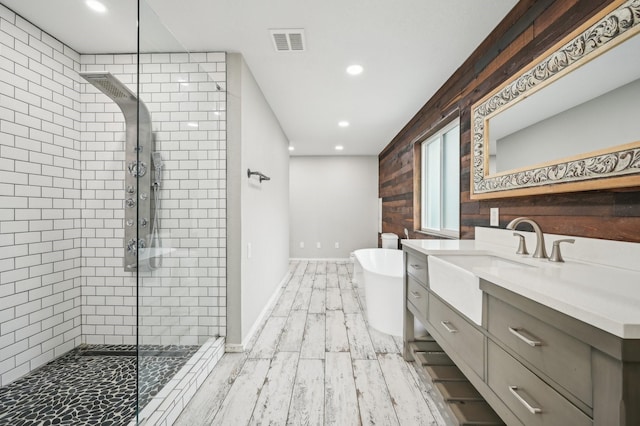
417, 267
597, 372
458, 333
418, 297
532, 364
545, 349
532, 400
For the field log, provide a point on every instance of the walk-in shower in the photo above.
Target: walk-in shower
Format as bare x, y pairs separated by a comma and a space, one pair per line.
112, 221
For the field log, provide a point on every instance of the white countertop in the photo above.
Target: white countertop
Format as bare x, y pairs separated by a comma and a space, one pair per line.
603, 296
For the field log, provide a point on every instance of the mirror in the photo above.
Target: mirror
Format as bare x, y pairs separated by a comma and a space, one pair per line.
568, 122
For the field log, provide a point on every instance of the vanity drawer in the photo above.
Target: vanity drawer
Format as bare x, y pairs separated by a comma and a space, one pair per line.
463, 338
417, 296
564, 359
529, 398
417, 267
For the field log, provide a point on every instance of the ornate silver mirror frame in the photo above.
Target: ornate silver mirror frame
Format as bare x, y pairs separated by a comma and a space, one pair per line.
611, 168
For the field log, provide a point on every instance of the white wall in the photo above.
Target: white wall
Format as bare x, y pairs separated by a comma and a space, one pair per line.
333, 199
258, 215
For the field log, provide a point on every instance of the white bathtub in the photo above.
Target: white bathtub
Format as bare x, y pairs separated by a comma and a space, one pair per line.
382, 281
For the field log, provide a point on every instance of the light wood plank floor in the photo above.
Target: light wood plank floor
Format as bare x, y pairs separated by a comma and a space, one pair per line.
315, 362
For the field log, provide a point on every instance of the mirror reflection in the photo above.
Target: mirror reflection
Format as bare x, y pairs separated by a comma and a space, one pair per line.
594, 108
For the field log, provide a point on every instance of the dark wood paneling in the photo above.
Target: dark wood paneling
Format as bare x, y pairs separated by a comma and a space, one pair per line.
613, 215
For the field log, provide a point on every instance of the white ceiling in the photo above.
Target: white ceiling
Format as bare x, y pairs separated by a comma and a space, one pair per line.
408, 49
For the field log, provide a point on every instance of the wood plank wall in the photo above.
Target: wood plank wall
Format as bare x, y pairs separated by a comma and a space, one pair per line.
527, 31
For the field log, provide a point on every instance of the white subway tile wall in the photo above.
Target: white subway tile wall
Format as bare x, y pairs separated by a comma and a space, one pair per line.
40, 198
183, 301
61, 200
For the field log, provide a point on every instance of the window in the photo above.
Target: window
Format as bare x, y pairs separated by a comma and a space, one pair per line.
440, 181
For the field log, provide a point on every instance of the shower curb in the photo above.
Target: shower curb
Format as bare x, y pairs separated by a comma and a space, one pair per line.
166, 406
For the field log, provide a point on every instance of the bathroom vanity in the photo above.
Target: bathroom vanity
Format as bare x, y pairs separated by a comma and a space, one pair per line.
543, 343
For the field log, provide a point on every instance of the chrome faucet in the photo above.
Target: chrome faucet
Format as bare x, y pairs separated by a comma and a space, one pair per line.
540, 251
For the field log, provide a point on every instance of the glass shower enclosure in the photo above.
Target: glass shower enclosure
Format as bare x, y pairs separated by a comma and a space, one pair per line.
112, 229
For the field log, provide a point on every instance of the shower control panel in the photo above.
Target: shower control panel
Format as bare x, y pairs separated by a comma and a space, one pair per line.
138, 205
138, 147
137, 208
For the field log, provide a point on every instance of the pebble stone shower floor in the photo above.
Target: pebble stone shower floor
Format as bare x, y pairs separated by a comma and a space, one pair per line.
91, 385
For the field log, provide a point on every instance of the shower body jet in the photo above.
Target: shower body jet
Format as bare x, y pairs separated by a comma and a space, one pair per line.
138, 148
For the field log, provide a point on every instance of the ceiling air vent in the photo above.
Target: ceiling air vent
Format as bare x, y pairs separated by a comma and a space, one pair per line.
288, 40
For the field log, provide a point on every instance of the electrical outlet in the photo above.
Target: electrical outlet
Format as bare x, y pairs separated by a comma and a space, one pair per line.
337, 244
318, 245
301, 244
494, 216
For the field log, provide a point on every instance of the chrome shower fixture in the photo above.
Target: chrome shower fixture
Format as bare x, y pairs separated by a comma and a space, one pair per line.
157, 165
138, 149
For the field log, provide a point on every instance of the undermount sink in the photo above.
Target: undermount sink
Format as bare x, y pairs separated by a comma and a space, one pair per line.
452, 278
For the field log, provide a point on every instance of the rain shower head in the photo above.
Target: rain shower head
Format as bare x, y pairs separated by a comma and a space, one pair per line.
109, 85
134, 111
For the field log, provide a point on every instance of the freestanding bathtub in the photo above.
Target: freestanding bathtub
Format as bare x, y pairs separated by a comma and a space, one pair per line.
382, 281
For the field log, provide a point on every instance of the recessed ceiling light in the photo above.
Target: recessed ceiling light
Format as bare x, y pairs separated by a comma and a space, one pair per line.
96, 6
291, 148
355, 69
343, 123
339, 147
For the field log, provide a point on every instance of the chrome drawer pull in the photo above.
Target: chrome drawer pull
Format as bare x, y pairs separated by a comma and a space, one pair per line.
532, 410
448, 327
416, 266
516, 332
415, 294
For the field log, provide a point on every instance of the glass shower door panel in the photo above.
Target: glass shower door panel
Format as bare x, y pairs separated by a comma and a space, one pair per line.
180, 279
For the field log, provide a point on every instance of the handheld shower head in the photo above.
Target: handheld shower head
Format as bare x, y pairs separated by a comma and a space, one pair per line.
156, 158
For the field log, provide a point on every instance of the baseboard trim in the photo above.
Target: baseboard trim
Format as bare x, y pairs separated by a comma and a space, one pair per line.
257, 325
233, 348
